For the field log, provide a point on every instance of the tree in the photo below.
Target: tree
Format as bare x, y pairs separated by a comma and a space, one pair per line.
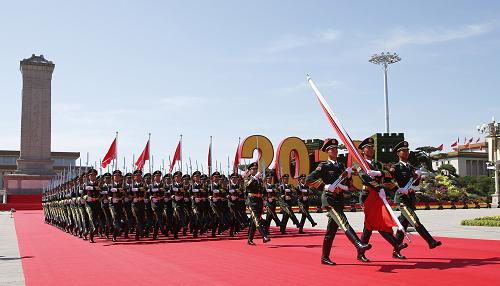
478, 185
427, 149
448, 167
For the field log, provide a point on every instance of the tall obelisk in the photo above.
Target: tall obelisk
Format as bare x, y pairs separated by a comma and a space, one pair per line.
35, 154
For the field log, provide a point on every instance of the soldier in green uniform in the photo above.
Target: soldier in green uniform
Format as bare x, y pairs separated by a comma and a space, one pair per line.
168, 207
116, 195
326, 177
270, 198
375, 182
138, 207
92, 203
303, 194
128, 196
180, 212
158, 203
147, 204
199, 197
286, 200
254, 189
237, 221
402, 173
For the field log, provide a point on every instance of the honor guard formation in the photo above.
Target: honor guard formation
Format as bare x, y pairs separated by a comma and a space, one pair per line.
115, 206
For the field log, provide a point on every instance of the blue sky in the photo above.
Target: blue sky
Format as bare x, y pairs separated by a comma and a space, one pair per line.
236, 68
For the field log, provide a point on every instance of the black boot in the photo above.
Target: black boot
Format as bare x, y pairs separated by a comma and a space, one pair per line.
91, 239
351, 235
398, 246
427, 237
265, 238
325, 255
365, 238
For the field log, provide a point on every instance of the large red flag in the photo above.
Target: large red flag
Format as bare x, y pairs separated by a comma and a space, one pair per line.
440, 147
454, 144
177, 156
383, 217
143, 158
210, 158
110, 155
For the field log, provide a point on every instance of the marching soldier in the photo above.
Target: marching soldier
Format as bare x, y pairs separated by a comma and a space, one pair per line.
233, 199
138, 207
92, 203
107, 218
81, 205
286, 201
157, 204
303, 194
178, 204
186, 183
217, 203
168, 207
402, 173
116, 196
374, 184
128, 196
270, 199
199, 198
328, 175
254, 189
147, 204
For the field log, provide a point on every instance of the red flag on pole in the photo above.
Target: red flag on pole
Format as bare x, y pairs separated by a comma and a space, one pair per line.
440, 147
177, 156
454, 144
210, 158
236, 159
385, 217
478, 139
110, 155
139, 164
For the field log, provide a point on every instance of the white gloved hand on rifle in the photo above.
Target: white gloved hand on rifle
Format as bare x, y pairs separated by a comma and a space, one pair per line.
381, 194
258, 175
402, 191
349, 172
342, 187
418, 173
374, 174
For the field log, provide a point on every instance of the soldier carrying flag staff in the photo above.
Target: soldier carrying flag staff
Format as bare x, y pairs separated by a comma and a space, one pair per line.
328, 176
406, 177
375, 182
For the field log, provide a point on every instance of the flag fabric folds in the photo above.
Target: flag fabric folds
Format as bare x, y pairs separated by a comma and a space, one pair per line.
110, 155
139, 164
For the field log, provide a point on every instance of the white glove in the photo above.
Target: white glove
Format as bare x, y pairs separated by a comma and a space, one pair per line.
349, 172
258, 175
330, 188
418, 173
343, 187
402, 191
381, 194
374, 174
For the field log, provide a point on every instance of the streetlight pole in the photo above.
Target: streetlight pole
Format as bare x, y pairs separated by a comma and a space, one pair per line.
384, 60
492, 131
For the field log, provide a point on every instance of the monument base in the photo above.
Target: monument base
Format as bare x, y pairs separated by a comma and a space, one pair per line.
20, 184
35, 167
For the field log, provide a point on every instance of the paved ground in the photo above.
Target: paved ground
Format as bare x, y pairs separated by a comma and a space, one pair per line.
439, 222
11, 270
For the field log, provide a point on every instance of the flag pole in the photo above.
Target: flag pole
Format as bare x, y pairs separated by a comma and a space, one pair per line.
180, 159
149, 152
116, 152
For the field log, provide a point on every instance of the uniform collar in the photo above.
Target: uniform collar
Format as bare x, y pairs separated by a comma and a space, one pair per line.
331, 161
404, 164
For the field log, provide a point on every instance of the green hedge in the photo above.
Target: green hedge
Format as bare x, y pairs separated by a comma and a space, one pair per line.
483, 221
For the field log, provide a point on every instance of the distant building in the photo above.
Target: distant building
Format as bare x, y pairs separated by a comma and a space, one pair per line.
8, 165
469, 161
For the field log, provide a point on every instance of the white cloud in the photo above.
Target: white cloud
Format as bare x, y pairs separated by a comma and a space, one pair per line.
403, 37
291, 41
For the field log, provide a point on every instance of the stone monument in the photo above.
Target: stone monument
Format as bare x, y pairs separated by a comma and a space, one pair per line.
34, 166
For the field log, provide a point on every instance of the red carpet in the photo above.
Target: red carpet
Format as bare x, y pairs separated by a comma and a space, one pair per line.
52, 257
